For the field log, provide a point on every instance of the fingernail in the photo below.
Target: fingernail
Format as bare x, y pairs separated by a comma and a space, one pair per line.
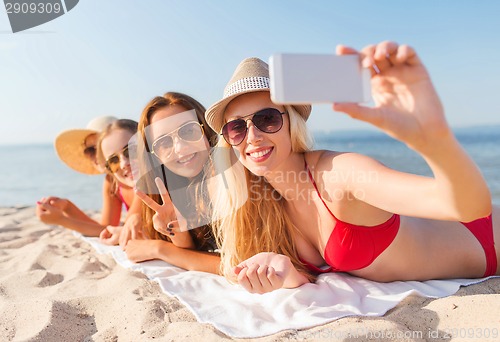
38, 202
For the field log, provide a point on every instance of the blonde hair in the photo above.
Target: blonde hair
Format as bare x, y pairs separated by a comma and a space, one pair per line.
124, 124
249, 216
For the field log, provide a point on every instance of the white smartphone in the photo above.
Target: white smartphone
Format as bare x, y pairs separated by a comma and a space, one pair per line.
310, 78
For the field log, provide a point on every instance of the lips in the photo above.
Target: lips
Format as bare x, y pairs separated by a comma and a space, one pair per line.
127, 173
186, 159
260, 154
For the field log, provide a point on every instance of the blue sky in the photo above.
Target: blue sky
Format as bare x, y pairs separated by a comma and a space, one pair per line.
111, 57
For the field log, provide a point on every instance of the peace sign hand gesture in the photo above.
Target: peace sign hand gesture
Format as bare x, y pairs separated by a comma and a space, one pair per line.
166, 218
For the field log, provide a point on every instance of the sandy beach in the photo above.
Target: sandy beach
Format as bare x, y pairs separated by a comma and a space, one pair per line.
56, 287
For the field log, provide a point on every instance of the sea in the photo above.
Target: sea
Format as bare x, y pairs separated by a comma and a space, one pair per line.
30, 172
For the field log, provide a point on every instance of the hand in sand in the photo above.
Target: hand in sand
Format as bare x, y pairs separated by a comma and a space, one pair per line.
49, 213
57, 202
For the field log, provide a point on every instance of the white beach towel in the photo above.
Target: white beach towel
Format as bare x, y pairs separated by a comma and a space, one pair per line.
238, 313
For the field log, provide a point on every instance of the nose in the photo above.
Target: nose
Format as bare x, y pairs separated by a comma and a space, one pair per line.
254, 134
180, 146
124, 162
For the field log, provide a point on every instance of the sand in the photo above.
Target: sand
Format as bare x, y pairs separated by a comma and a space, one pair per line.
55, 287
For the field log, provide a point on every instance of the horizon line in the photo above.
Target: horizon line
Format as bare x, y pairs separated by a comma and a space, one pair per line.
372, 130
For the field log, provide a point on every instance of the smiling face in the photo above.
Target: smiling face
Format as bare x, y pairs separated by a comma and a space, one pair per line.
184, 158
259, 152
113, 145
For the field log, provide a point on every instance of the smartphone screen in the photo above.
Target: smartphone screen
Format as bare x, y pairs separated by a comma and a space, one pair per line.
309, 78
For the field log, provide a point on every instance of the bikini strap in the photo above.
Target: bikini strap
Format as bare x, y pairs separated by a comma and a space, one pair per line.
316, 188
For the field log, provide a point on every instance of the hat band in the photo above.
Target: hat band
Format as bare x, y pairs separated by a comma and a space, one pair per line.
245, 84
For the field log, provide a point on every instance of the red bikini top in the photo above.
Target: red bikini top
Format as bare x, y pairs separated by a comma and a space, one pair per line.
351, 247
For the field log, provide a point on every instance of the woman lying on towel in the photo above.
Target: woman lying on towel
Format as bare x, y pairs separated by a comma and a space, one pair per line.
295, 212
77, 148
113, 152
172, 151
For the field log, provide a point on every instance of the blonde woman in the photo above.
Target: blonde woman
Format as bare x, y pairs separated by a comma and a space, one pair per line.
113, 152
304, 212
77, 148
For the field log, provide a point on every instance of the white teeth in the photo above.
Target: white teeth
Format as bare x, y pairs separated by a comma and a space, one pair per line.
186, 159
260, 153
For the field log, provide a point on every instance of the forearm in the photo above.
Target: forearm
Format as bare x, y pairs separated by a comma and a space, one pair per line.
183, 240
191, 260
74, 212
459, 181
85, 227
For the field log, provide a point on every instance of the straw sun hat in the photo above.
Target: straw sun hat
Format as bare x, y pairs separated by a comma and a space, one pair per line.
251, 75
70, 145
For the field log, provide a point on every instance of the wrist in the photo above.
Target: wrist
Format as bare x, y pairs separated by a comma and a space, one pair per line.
442, 142
295, 278
183, 240
160, 249
65, 221
71, 209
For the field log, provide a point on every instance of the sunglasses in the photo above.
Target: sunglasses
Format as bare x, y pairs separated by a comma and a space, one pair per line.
268, 120
164, 146
113, 162
90, 152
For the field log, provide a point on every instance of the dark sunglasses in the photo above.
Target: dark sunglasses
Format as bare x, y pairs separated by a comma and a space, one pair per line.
113, 162
164, 146
268, 120
90, 152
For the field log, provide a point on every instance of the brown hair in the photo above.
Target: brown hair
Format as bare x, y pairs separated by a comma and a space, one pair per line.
202, 236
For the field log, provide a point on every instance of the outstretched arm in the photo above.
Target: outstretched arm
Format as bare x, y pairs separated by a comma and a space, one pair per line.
111, 205
408, 108
52, 214
69, 208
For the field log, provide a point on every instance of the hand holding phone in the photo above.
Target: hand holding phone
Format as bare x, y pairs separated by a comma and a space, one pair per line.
310, 78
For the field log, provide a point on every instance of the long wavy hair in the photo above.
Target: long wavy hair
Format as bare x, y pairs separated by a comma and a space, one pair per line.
124, 124
202, 236
248, 216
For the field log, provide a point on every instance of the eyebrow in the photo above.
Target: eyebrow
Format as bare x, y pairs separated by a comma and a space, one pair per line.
117, 152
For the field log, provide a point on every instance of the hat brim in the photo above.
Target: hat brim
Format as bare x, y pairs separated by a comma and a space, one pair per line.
69, 146
215, 114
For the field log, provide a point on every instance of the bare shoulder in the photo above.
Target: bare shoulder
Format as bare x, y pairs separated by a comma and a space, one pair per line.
107, 183
330, 161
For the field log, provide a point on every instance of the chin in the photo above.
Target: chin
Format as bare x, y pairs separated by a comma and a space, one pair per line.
259, 171
130, 183
188, 172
